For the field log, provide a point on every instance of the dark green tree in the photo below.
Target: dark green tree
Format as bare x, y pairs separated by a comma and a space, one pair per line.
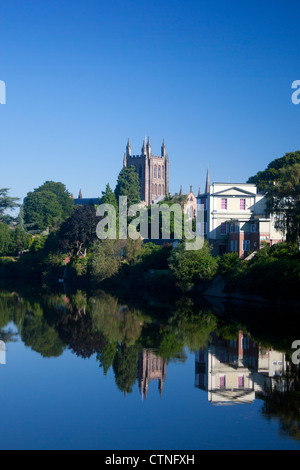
284, 201
128, 185
78, 232
264, 179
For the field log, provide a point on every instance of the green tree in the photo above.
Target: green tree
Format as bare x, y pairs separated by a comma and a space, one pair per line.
190, 267
128, 185
46, 207
109, 197
284, 201
78, 232
5, 239
264, 179
7, 203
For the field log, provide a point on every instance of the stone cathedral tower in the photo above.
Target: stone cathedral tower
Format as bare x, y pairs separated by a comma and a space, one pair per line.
153, 171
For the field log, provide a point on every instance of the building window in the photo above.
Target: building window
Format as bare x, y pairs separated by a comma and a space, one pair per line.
242, 204
224, 204
253, 227
246, 245
223, 228
222, 381
233, 245
158, 171
233, 228
241, 381
155, 171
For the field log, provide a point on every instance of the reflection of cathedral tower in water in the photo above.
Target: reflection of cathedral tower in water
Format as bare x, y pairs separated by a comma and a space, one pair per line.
150, 367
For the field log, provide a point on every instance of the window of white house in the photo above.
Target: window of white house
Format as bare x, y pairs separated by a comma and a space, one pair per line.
222, 381
241, 381
246, 245
242, 204
224, 204
233, 245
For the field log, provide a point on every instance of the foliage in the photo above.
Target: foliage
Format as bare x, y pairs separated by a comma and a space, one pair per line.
105, 260
46, 207
274, 272
228, 262
190, 267
78, 232
128, 185
109, 197
7, 203
264, 179
284, 201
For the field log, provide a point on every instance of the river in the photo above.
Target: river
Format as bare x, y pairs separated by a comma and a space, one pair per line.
86, 371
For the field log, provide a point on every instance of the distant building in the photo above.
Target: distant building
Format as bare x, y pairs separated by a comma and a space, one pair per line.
235, 218
190, 205
85, 201
153, 171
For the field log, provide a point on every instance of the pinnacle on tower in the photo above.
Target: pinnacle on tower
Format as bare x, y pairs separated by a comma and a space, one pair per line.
199, 192
80, 195
144, 148
149, 147
207, 182
180, 192
128, 148
163, 149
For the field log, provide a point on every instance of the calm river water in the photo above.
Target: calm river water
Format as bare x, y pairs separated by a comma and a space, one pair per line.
83, 371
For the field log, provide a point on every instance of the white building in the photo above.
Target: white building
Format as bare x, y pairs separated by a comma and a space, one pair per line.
235, 218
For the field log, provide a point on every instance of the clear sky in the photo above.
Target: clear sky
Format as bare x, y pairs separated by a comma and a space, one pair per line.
213, 78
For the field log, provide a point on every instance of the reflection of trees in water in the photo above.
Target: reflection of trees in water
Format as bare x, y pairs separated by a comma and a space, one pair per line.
284, 406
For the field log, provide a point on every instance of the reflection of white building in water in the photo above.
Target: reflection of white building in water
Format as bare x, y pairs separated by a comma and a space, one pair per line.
232, 371
2, 353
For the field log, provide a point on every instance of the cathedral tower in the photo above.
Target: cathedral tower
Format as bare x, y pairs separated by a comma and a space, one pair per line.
153, 171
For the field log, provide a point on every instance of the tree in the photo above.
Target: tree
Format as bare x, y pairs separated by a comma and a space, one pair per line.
189, 267
62, 195
46, 207
41, 210
264, 179
128, 185
7, 203
109, 197
284, 201
78, 232
5, 239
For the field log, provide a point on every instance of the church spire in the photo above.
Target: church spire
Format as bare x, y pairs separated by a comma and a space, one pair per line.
207, 182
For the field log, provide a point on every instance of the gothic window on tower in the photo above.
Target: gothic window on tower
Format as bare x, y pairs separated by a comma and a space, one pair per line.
155, 192
162, 171
158, 171
159, 190
155, 171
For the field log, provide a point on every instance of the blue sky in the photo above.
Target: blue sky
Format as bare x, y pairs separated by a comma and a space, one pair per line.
211, 78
